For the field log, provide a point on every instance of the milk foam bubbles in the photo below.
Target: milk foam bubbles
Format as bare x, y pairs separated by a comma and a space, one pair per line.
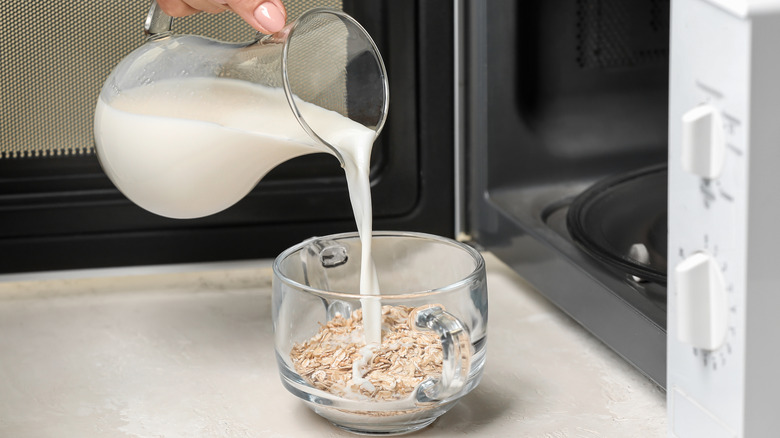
193, 147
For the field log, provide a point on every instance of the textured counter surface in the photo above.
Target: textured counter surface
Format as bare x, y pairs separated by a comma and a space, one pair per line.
149, 352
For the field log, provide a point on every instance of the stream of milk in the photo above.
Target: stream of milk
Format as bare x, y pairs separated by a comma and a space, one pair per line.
193, 147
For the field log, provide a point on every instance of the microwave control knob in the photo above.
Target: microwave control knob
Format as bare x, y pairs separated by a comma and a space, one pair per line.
702, 309
703, 143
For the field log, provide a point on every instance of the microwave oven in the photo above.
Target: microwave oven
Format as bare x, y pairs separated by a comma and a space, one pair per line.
620, 155
571, 138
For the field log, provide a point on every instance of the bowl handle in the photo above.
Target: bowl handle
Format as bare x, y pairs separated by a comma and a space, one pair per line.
456, 348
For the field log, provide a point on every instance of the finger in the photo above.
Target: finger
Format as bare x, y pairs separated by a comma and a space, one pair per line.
176, 8
267, 16
210, 6
183, 8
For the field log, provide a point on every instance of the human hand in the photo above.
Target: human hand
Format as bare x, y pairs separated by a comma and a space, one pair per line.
267, 16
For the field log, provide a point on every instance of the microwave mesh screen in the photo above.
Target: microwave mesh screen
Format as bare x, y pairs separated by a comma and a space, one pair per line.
53, 65
622, 33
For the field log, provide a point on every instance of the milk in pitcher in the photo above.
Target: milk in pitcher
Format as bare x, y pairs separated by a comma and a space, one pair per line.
192, 147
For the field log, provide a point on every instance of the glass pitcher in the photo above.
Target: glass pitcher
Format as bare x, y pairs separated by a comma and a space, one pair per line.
186, 126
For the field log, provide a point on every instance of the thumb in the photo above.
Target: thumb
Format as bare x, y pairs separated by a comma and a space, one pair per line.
267, 16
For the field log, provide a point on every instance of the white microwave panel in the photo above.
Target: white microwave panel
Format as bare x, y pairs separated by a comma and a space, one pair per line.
723, 135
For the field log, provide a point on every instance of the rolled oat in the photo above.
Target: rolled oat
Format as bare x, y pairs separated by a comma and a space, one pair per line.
337, 360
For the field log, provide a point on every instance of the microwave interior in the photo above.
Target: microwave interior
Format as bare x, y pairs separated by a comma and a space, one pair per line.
58, 209
564, 124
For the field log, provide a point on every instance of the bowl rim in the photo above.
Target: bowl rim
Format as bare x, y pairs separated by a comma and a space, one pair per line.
477, 273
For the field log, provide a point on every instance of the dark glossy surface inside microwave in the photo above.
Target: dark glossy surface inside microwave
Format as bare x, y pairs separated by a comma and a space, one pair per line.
562, 95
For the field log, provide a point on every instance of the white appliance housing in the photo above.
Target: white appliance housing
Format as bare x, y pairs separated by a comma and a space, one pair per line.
724, 205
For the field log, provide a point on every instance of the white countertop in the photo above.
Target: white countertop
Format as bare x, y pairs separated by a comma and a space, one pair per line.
188, 352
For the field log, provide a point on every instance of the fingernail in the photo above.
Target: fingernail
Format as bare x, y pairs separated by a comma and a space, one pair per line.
270, 17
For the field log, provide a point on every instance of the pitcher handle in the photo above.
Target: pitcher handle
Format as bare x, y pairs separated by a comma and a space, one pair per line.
456, 349
157, 22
